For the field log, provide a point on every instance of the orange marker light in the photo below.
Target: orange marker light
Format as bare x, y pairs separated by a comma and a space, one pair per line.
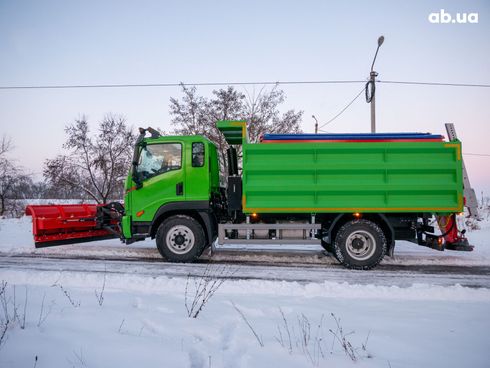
139, 213
357, 215
130, 189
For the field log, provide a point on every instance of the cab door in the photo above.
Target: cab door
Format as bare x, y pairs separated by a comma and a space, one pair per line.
197, 172
161, 172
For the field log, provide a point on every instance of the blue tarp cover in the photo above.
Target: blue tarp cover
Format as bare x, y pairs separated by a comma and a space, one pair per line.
353, 136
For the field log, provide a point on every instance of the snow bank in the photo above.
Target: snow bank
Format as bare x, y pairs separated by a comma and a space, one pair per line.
165, 285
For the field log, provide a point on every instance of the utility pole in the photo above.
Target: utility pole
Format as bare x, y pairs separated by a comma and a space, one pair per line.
372, 84
316, 124
373, 75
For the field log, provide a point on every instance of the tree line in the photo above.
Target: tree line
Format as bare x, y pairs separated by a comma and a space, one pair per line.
94, 165
17, 186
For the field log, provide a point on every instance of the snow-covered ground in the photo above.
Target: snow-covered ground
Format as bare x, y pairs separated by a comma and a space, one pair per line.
141, 319
143, 322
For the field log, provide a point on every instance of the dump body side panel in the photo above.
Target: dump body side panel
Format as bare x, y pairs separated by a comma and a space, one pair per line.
352, 177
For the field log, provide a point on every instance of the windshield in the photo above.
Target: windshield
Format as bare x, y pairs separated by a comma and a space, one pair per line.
157, 159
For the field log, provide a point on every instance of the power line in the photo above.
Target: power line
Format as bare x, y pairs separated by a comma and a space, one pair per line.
217, 84
213, 84
477, 154
435, 84
345, 108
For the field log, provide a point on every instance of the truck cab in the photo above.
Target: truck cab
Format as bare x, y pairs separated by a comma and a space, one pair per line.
171, 175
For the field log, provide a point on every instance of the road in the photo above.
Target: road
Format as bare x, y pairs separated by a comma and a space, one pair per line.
263, 269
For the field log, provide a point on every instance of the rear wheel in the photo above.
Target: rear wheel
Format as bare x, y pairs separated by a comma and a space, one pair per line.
360, 244
180, 239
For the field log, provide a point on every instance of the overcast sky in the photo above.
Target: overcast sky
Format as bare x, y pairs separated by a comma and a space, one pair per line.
99, 42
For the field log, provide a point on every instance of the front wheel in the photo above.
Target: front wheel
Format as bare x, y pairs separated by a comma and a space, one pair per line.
360, 244
180, 239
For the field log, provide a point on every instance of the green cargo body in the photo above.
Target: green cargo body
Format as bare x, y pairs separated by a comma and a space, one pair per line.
352, 177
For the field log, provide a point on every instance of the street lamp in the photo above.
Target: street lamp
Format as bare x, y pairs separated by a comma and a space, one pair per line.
370, 97
316, 124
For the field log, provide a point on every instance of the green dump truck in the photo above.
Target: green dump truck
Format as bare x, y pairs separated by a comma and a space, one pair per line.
354, 194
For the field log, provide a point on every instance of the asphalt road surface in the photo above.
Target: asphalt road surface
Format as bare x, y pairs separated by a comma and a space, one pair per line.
271, 267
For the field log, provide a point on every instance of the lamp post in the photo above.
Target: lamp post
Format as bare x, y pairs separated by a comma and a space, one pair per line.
372, 77
316, 124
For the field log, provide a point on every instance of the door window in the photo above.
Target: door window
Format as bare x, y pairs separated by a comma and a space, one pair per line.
197, 154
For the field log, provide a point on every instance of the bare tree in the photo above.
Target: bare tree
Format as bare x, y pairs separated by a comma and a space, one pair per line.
12, 181
262, 114
33, 189
7, 173
8, 178
5, 145
194, 114
94, 164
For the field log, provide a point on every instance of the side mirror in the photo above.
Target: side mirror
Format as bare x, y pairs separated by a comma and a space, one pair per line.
136, 157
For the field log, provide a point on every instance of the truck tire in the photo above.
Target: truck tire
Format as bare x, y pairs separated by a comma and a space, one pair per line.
180, 238
360, 244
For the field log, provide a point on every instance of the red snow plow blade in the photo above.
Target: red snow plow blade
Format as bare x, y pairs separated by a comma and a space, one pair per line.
68, 223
